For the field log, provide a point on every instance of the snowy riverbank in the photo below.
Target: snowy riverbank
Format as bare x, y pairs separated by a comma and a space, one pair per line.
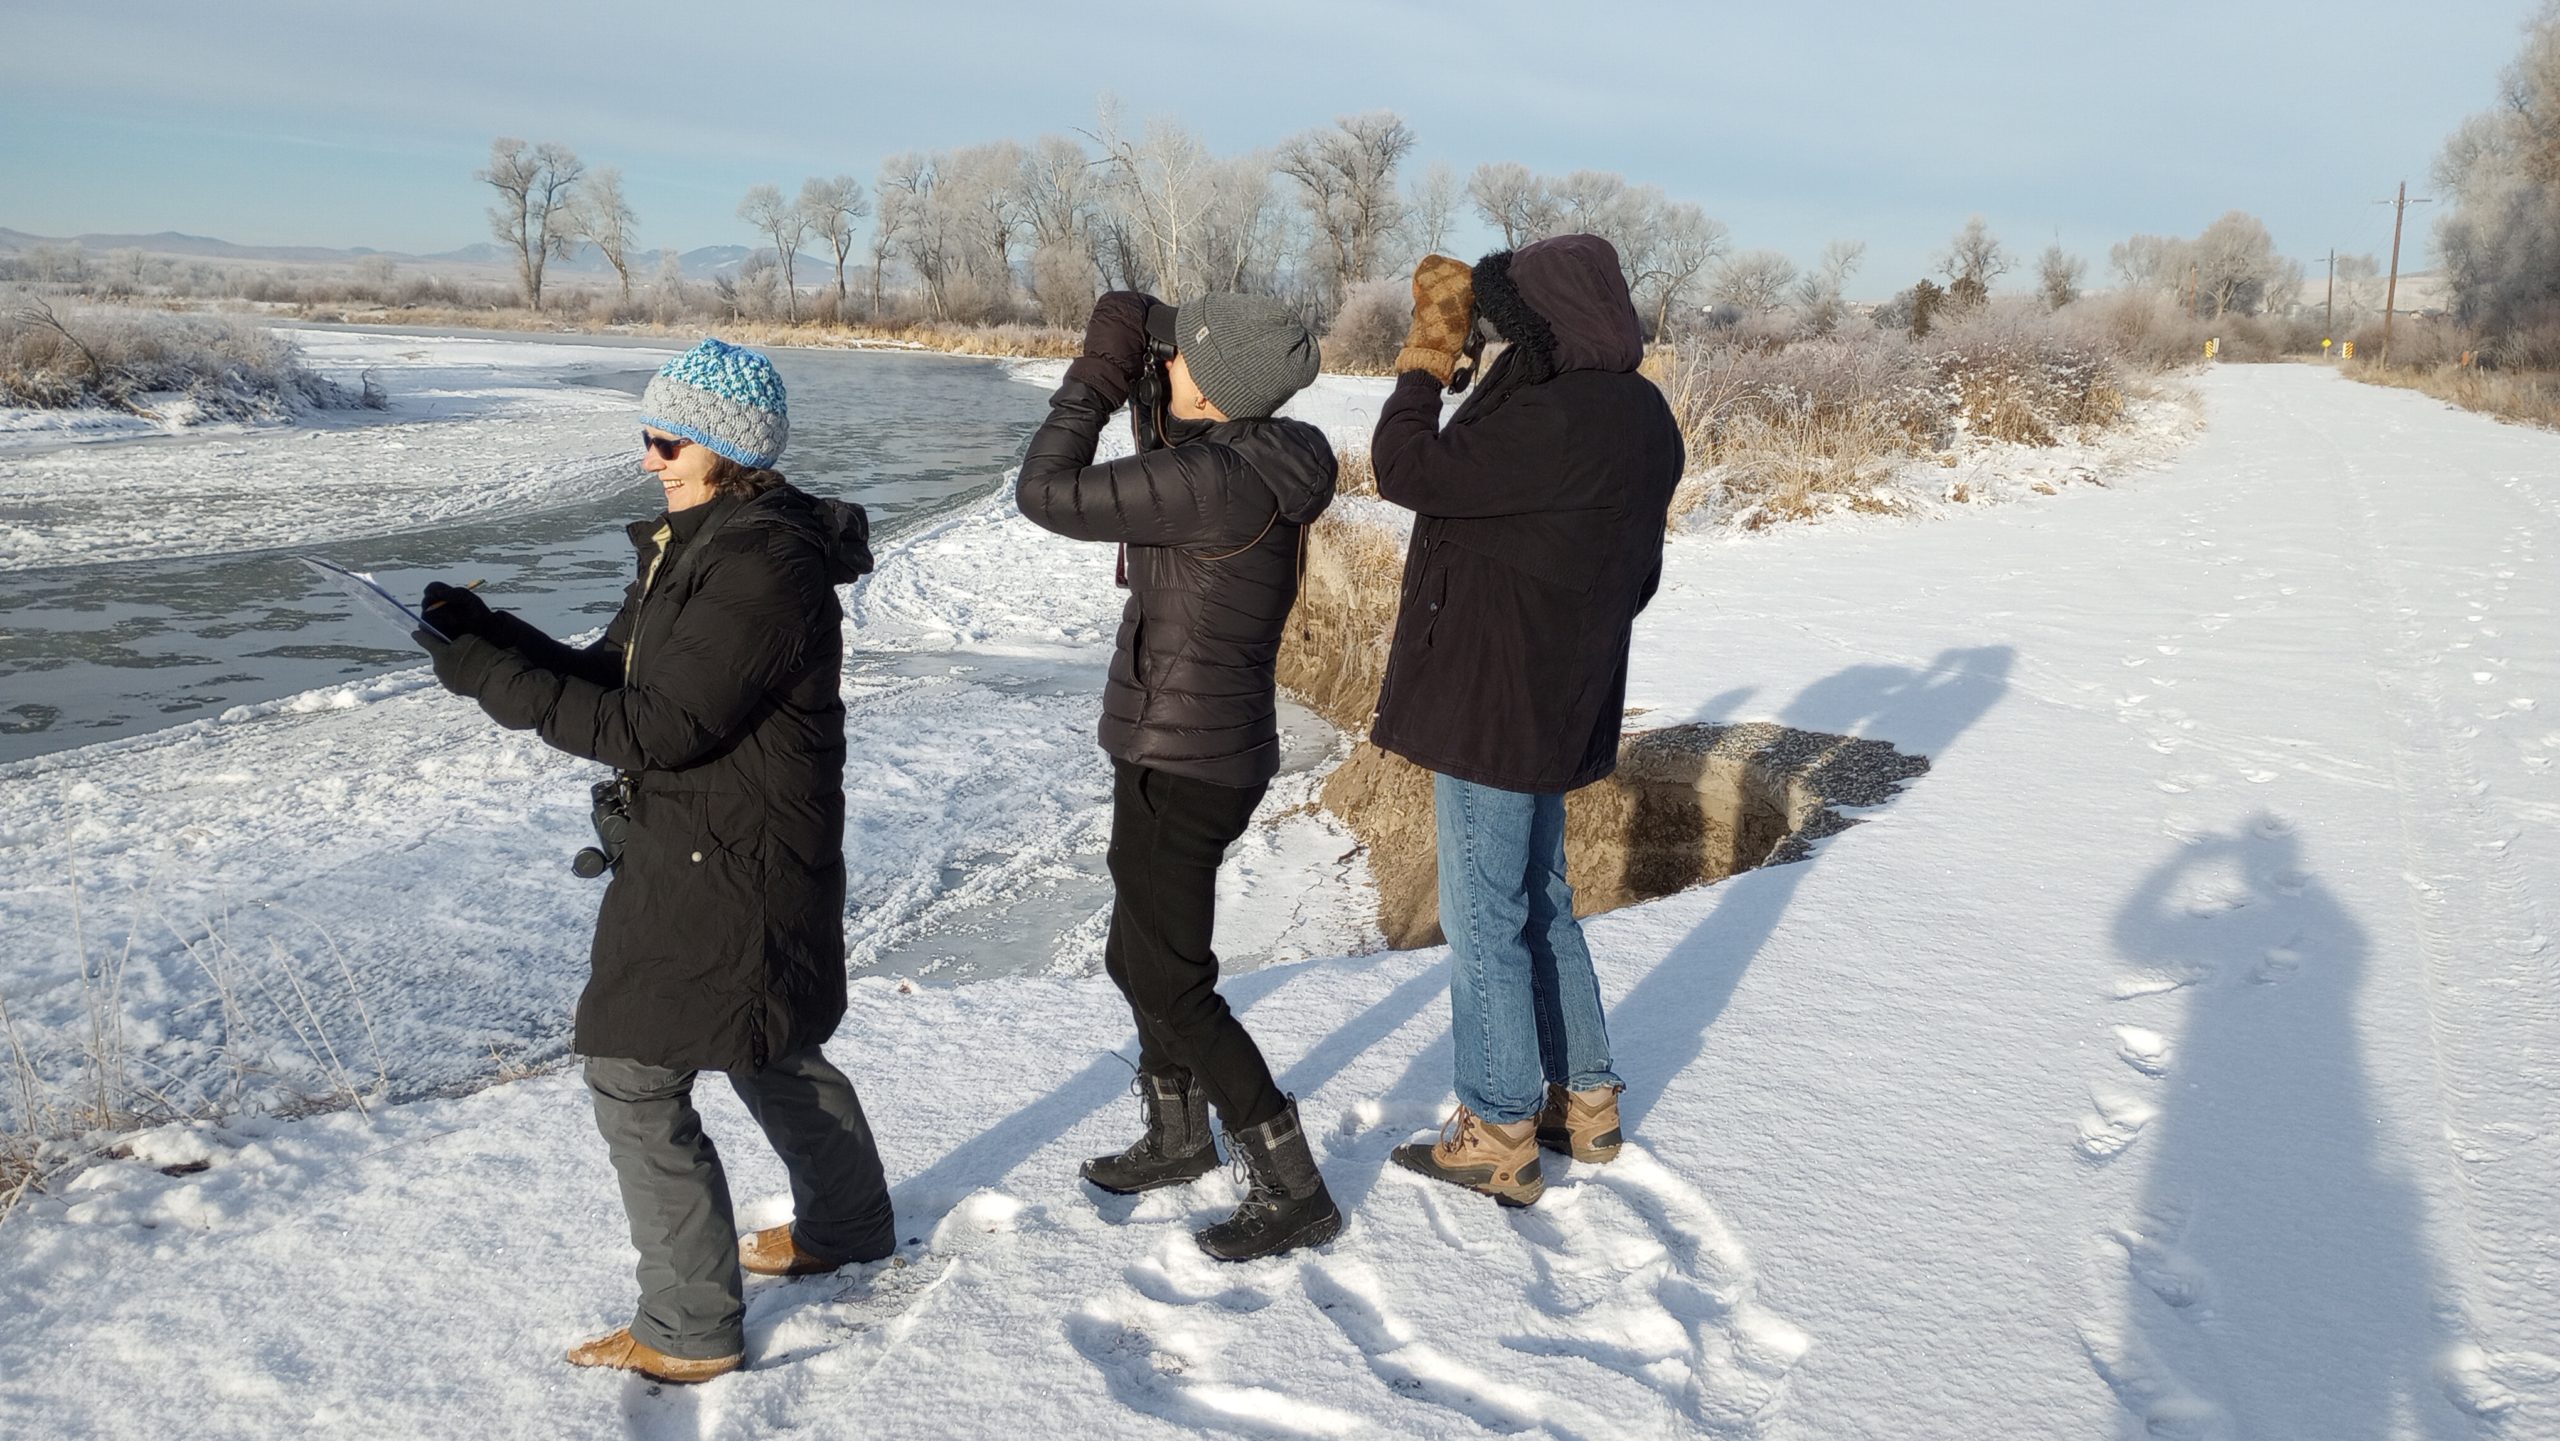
474, 428
2172, 1059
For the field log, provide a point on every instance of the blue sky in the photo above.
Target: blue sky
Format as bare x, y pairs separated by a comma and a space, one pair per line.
289, 122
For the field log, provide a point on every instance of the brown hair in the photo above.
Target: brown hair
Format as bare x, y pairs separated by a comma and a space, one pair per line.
730, 478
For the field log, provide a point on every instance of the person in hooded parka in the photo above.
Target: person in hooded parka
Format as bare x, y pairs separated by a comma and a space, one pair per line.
1539, 516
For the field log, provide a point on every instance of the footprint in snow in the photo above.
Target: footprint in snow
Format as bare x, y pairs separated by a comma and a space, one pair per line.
2154, 1260
2143, 1049
2116, 1123
2156, 983
1160, 1361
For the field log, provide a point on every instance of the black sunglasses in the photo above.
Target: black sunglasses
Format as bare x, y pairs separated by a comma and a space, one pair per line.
663, 446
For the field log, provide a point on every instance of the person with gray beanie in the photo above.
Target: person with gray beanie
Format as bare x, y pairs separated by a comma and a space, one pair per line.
1208, 515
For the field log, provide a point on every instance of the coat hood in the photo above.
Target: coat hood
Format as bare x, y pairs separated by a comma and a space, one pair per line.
839, 529
1291, 457
1564, 302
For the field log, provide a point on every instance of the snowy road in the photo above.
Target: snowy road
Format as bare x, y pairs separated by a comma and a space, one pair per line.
2179, 1057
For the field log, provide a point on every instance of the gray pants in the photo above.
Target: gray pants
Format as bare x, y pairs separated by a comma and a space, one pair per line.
677, 1197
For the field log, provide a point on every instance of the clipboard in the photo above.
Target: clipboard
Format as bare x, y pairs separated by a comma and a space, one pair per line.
373, 599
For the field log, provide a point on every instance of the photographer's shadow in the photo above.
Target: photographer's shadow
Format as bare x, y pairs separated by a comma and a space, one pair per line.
2277, 1266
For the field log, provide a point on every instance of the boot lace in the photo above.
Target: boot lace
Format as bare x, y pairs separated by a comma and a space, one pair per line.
1453, 1131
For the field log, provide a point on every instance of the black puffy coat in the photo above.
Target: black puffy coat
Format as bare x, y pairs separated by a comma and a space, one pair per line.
1540, 517
720, 944
1212, 528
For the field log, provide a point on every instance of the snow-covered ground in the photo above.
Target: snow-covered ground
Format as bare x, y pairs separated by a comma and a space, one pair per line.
2179, 1057
476, 427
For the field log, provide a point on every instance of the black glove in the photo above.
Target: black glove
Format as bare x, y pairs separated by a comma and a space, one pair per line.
454, 610
462, 664
1115, 345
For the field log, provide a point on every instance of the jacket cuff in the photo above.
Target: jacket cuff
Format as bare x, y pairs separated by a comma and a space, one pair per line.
1438, 364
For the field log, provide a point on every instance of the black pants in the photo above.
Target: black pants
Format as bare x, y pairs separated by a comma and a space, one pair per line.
1168, 834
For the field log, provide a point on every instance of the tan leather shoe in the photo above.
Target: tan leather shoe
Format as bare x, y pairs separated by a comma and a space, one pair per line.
772, 1252
1581, 1124
621, 1351
1500, 1161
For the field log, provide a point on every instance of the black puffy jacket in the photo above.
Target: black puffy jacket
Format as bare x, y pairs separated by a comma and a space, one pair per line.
1540, 512
1212, 528
720, 944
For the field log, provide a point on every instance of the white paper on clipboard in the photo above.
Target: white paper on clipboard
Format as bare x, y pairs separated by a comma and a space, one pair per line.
372, 598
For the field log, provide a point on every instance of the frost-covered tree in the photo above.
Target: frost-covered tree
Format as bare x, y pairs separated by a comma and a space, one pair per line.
888, 230
786, 225
1971, 261
2152, 262
1515, 201
668, 302
910, 198
2058, 275
2357, 285
1346, 178
1754, 282
1686, 241
535, 215
1062, 192
606, 221
1163, 182
984, 189
2237, 268
831, 206
1431, 209
1243, 231
2499, 178
1822, 294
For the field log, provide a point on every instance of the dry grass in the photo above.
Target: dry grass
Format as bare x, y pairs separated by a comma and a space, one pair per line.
2525, 397
64, 1107
1783, 430
1333, 653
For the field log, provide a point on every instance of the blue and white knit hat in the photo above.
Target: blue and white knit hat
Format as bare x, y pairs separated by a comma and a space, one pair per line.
724, 396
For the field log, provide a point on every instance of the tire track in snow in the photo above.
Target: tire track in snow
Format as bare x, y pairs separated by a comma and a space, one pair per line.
2489, 1007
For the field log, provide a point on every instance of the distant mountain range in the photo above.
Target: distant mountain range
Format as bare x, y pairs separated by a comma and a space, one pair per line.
702, 263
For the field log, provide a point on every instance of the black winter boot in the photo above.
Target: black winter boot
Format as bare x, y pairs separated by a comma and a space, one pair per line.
1177, 1146
1285, 1206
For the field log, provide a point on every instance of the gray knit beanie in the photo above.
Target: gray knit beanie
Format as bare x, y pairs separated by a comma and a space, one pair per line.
724, 396
1247, 353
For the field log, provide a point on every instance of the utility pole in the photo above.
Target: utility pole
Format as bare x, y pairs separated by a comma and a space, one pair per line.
2391, 292
2329, 307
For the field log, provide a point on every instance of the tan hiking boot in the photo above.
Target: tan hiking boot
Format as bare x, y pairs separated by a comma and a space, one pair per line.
772, 1252
621, 1351
1581, 1124
1500, 1161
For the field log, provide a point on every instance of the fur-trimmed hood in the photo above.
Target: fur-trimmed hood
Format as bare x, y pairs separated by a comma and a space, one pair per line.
1563, 302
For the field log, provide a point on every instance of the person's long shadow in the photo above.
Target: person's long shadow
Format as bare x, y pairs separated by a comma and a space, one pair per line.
2277, 1270
1661, 1026
1658, 1030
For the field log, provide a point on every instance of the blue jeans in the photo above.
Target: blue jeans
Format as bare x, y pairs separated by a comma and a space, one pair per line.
1524, 1005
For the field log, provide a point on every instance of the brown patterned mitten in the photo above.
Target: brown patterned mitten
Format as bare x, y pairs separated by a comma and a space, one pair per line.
1444, 306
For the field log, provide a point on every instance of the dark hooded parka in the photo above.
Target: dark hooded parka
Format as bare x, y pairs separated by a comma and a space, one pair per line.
720, 945
1212, 523
1540, 511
